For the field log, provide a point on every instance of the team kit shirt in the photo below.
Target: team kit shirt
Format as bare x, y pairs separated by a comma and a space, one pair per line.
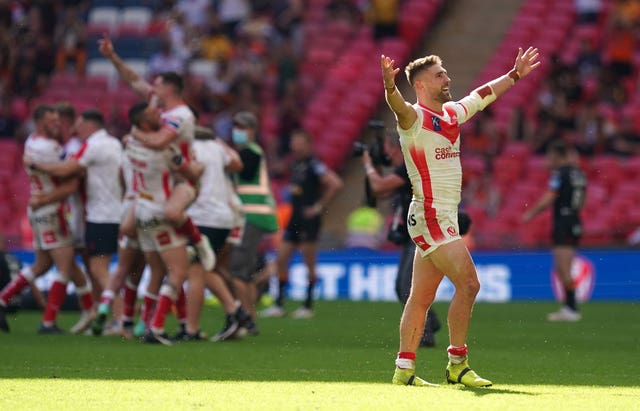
305, 185
213, 207
100, 156
153, 181
570, 185
181, 120
75, 206
129, 195
49, 225
431, 148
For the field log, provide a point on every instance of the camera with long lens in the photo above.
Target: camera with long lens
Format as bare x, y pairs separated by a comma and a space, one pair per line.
376, 147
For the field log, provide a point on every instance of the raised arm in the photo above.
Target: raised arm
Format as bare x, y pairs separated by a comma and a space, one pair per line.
405, 114
525, 63
137, 83
156, 140
57, 169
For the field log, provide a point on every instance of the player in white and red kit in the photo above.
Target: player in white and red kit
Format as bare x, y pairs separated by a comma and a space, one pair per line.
163, 245
430, 138
52, 239
177, 133
99, 157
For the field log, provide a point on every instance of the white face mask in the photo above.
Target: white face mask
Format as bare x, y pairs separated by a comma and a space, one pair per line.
239, 136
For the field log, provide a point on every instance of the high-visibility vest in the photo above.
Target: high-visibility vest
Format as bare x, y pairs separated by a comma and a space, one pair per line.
258, 203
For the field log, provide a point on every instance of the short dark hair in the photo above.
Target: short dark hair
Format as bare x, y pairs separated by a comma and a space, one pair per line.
559, 148
66, 110
136, 113
94, 116
41, 110
303, 133
174, 79
419, 65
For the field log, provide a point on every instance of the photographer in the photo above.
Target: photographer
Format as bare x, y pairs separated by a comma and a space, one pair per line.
397, 184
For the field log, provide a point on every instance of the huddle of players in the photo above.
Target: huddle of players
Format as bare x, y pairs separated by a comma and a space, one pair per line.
161, 180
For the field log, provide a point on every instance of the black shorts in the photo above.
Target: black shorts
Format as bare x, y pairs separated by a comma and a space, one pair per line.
302, 230
101, 238
217, 236
566, 231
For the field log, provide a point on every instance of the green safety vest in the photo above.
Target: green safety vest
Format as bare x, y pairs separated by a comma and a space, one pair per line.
258, 203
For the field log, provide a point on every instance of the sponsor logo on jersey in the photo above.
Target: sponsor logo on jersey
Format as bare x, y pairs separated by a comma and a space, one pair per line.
452, 231
436, 123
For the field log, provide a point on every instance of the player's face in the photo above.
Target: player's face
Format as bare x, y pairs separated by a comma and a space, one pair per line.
51, 124
67, 128
152, 117
300, 147
435, 83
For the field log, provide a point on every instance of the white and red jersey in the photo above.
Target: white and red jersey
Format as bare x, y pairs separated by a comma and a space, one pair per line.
152, 179
126, 168
431, 148
100, 156
181, 120
42, 150
212, 208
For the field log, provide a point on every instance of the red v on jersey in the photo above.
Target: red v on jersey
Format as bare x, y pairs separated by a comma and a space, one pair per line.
433, 121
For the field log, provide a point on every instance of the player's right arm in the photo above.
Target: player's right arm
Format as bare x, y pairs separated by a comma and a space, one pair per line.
65, 189
404, 112
137, 83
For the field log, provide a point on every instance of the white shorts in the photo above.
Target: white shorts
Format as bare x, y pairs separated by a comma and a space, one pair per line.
431, 228
154, 232
126, 241
50, 228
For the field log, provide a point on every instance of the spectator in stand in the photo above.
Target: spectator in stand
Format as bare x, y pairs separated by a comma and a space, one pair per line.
589, 61
9, 124
70, 41
343, 10
195, 12
626, 140
165, 60
588, 11
216, 45
619, 49
590, 130
383, 14
232, 13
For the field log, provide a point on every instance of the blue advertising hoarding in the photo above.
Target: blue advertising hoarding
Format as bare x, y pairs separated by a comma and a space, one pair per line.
362, 274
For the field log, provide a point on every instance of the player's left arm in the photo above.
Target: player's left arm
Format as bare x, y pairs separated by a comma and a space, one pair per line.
545, 201
478, 99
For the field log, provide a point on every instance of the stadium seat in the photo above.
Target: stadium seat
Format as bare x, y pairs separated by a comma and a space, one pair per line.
203, 68
134, 21
102, 68
140, 66
103, 20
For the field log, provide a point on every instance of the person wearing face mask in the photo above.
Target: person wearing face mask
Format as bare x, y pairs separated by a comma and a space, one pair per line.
254, 189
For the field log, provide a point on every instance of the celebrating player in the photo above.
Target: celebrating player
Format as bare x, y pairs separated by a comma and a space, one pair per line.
430, 137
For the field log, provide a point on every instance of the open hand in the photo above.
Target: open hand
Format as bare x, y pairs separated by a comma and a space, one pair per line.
388, 71
526, 61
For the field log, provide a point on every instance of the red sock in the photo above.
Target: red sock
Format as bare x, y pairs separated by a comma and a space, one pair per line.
190, 230
14, 287
148, 305
406, 355
129, 300
162, 309
457, 351
57, 293
181, 306
86, 301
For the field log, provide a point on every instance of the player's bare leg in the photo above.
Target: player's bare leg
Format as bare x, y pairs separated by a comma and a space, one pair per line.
182, 196
128, 223
176, 263
157, 272
129, 261
63, 258
84, 292
562, 258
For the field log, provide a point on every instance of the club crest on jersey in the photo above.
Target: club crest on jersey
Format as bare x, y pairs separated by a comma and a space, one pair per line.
436, 123
452, 231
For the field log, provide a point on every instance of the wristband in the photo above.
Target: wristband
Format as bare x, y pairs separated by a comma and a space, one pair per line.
514, 76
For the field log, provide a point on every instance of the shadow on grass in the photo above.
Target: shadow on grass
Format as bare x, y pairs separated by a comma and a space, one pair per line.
481, 392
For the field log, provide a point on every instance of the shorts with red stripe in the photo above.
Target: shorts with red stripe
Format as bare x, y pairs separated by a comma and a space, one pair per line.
50, 228
430, 228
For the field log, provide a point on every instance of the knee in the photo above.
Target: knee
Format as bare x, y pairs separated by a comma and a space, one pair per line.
470, 287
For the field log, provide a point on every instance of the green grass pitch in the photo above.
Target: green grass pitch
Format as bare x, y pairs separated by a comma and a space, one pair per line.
340, 360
